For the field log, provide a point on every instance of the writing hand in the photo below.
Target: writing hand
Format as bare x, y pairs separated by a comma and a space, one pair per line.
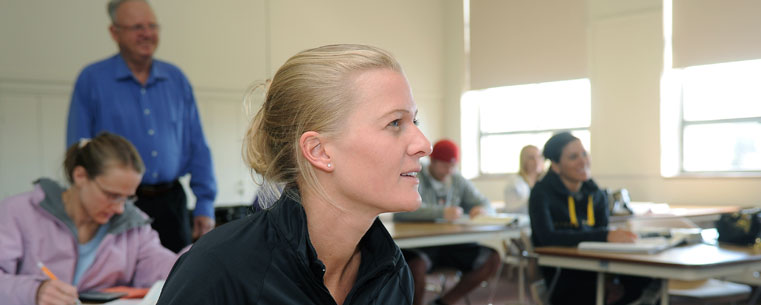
55, 292
452, 213
477, 210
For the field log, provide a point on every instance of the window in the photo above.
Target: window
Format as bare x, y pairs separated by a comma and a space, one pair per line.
710, 102
508, 118
721, 117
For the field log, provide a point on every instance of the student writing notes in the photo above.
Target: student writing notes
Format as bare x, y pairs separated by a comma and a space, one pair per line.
88, 234
447, 195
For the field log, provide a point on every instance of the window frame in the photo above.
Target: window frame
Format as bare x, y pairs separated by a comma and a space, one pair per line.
477, 134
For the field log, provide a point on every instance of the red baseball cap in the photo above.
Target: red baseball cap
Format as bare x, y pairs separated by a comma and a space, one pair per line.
445, 150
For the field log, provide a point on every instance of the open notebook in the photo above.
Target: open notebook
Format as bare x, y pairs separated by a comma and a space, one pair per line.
643, 245
507, 219
151, 298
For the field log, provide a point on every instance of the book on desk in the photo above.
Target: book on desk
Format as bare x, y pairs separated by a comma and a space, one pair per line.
650, 241
648, 245
506, 219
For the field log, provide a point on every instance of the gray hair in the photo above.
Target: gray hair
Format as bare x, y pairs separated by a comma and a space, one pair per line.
114, 5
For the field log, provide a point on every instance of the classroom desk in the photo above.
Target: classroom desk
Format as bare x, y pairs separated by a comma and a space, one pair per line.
424, 234
691, 262
696, 213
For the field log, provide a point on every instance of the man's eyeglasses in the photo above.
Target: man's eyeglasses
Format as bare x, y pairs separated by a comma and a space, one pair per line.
113, 197
139, 27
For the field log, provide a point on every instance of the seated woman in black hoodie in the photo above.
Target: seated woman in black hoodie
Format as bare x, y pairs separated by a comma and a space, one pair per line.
566, 207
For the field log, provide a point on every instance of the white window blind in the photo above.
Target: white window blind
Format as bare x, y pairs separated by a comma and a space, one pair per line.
516, 42
715, 31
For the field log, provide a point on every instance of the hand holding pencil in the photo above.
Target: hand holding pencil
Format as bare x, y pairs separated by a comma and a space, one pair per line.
54, 291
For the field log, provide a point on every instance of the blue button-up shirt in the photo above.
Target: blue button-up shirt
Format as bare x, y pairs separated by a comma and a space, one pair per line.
160, 118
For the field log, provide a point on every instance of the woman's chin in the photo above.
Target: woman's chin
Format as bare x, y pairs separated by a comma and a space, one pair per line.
410, 207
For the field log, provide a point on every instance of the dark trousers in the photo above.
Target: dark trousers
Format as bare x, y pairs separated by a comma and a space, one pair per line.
579, 287
167, 206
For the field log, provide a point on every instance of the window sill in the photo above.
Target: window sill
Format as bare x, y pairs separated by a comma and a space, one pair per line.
714, 175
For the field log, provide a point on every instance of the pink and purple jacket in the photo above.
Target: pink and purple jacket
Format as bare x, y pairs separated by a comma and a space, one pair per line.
35, 228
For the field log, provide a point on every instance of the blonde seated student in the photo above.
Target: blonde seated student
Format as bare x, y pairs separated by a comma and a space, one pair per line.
90, 236
518, 189
338, 131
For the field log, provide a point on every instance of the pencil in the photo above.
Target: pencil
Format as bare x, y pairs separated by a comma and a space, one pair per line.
51, 275
47, 271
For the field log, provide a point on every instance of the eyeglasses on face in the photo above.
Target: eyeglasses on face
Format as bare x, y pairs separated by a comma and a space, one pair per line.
153, 27
114, 197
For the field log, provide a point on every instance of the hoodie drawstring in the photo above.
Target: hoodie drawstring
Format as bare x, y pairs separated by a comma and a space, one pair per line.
572, 212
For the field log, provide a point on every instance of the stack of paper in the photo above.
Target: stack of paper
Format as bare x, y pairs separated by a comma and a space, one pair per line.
494, 219
642, 245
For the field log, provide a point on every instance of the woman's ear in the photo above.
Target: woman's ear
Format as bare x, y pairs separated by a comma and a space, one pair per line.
555, 167
79, 175
313, 149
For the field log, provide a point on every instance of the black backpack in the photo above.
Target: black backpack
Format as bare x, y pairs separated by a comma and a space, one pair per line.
740, 228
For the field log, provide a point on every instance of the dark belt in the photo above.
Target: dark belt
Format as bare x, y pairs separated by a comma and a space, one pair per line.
153, 190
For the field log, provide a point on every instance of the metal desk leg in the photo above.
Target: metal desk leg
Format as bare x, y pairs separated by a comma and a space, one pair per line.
522, 282
664, 292
600, 298
493, 290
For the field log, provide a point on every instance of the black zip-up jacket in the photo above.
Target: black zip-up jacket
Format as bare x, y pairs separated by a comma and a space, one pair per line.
268, 258
550, 218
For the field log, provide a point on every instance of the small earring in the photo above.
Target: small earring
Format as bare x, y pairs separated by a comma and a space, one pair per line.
330, 165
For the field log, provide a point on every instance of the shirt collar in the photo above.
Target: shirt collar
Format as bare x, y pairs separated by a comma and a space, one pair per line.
122, 72
377, 245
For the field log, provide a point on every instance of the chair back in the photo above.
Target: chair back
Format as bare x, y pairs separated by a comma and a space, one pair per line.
540, 289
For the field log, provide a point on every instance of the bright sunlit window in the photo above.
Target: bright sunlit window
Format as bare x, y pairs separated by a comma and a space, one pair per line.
508, 118
722, 117
710, 115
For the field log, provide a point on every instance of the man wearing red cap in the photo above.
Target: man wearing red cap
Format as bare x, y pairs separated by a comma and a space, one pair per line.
447, 195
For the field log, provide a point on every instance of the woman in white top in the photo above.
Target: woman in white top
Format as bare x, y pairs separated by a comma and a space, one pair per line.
519, 186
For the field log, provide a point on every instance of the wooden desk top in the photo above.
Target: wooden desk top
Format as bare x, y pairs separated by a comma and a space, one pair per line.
690, 256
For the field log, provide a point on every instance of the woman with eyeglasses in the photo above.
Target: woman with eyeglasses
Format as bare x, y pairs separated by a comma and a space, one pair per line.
90, 236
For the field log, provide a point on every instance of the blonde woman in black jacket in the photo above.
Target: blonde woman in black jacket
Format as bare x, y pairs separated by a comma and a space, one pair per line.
338, 132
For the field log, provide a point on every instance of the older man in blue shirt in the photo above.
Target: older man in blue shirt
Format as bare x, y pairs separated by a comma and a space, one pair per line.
151, 103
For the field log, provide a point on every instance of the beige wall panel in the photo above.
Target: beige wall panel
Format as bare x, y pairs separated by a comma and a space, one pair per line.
20, 140
626, 60
52, 133
411, 30
218, 44
51, 40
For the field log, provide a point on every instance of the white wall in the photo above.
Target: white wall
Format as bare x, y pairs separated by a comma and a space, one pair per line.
223, 47
625, 65
411, 30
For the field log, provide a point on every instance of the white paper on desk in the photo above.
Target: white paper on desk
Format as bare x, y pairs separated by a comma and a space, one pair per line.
493, 219
152, 297
642, 245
